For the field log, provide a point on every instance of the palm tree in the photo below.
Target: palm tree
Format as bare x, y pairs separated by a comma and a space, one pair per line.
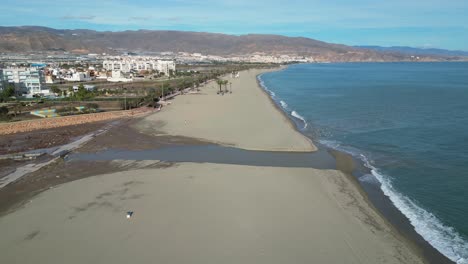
220, 83
225, 83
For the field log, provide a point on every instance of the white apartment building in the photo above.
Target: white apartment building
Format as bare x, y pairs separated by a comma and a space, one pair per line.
27, 81
78, 77
127, 64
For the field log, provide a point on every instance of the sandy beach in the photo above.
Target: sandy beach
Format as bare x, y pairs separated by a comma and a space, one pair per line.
202, 212
244, 118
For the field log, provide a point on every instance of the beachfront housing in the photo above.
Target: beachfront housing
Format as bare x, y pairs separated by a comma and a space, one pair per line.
27, 81
128, 64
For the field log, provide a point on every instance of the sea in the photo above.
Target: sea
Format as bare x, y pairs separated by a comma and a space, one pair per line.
406, 122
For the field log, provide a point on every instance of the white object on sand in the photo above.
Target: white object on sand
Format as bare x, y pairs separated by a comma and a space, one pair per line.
129, 214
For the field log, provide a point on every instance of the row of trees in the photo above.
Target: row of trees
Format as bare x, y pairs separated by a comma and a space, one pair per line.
221, 82
80, 95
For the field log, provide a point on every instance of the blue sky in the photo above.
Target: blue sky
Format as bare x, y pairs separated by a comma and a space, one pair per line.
418, 23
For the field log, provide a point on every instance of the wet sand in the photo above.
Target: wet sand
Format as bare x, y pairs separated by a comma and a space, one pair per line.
46, 138
197, 212
202, 213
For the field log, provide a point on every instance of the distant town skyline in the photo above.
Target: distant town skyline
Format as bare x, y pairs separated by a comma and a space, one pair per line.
416, 23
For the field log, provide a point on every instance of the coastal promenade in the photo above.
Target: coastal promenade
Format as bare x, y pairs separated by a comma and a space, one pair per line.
187, 212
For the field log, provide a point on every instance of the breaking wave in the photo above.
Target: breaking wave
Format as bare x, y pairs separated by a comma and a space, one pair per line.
298, 116
284, 104
443, 238
262, 84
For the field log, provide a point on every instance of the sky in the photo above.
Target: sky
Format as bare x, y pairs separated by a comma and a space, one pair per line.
416, 23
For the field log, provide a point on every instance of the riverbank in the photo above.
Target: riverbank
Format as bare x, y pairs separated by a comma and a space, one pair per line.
202, 212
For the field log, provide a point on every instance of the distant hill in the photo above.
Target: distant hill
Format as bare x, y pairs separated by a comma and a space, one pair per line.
418, 51
32, 39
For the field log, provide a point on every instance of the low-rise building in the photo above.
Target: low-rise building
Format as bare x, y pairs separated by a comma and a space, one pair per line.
78, 77
117, 76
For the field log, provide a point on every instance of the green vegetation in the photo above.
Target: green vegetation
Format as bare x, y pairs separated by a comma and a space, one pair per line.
112, 96
7, 92
92, 106
55, 89
4, 113
82, 94
221, 82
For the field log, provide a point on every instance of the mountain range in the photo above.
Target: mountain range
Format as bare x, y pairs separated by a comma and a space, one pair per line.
418, 51
26, 39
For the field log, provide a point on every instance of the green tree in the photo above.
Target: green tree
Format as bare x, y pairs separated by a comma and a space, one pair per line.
220, 83
3, 113
225, 83
55, 89
83, 93
8, 92
71, 93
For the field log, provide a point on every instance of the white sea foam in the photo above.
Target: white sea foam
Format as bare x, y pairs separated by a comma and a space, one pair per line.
330, 143
444, 238
284, 104
262, 84
369, 178
298, 116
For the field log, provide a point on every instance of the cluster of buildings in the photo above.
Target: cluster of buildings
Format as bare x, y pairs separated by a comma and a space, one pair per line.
185, 57
127, 64
57, 74
32, 79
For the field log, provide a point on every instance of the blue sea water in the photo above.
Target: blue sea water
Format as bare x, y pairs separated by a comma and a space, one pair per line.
408, 122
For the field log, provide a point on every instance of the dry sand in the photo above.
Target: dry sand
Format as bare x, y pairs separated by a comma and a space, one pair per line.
245, 119
202, 213
207, 213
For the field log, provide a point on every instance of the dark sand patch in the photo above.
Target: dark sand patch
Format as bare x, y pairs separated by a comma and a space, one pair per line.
31, 235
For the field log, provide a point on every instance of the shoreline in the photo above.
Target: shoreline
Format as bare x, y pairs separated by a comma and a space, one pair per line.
326, 216
377, 200
278, 108
242, 118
